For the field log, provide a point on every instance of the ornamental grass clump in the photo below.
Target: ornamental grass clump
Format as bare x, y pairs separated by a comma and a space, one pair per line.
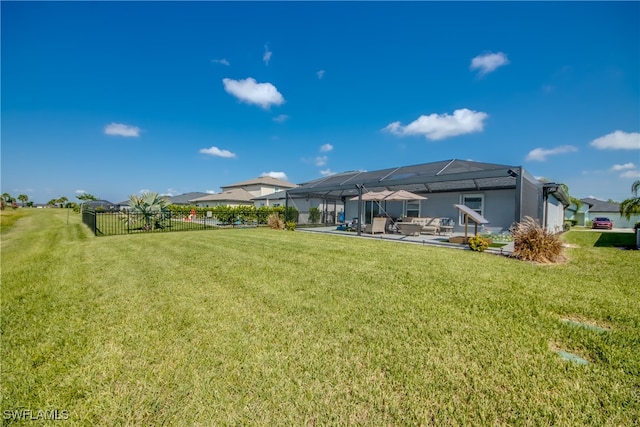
275, 222
531, 242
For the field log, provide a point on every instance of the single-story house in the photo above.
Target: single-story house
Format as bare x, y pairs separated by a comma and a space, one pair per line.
502, 194
592, 208
101, 205
183, 199
243, 193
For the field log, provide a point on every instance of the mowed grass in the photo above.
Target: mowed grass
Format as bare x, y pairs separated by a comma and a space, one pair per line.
263, 327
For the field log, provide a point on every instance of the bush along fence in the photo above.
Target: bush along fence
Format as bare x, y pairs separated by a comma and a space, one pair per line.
181, 218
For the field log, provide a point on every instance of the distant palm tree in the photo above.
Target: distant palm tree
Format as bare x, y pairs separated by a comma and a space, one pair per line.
631, 206
85, 197
61, 201
23, 198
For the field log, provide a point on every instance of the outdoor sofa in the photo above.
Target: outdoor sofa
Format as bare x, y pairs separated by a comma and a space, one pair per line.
429, 224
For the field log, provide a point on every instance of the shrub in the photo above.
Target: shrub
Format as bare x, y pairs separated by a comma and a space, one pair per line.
275, 222
531, 242
478, 243
314, 215
290, 225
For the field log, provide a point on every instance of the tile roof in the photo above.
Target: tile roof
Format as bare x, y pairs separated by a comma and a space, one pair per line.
233, 195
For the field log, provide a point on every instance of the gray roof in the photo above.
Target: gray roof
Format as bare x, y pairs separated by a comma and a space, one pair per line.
183, 199
263, 180
278, 195
442, 176
596, 205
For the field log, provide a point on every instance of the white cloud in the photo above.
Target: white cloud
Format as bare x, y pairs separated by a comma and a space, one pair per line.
215, 151
626, 166
211, 191
278, 175
327, 172
321, 160
281, 118
617, 140
488, 62
251, 92
119, 129
267, 54
440, 126
222, 61
320, 74
80, 191
630, 174
325, 148
541, 154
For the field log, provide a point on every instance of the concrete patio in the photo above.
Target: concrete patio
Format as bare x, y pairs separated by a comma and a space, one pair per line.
422, 239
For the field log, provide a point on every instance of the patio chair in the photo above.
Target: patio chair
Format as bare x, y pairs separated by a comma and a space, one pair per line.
378, 226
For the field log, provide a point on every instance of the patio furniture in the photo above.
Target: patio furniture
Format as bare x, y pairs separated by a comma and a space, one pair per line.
409, 228
446, 229
378, 226
429, 224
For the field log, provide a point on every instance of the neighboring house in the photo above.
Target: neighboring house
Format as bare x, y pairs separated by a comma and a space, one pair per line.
101, 205
234, 197
327, 209
593, 208
243, 193
273, 200
184, 199
502, 194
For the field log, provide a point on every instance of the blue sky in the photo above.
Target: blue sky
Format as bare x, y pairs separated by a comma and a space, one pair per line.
113, 98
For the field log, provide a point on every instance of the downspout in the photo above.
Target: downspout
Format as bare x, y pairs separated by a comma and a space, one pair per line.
359, 187
545, 203
519, 178
286, 205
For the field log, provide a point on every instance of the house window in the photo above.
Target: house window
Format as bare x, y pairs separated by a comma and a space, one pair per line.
413, 209
473, 201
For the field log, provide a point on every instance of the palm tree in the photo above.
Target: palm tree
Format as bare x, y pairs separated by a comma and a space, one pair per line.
23, 198
61, 201
630, 207
151, 207
85, 197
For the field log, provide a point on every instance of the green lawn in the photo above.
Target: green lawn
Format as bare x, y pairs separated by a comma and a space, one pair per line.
263, 327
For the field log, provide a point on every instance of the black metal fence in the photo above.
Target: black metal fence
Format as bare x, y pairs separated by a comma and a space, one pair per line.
124, 222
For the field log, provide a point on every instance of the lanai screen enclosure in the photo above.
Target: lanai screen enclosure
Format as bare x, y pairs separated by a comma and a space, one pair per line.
503, 194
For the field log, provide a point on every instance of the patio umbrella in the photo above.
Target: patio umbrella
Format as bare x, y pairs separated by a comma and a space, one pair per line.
373, 195
403, 195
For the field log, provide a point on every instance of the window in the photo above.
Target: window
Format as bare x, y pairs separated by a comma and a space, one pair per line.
371, 210
473, 201
413, 209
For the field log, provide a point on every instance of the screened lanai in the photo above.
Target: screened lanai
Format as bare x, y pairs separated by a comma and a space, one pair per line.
453, 177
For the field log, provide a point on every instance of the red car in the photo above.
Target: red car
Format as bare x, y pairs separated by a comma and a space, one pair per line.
602, 222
